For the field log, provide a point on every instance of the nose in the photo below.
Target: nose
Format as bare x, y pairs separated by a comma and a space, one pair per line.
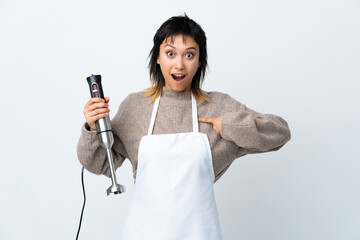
179, 63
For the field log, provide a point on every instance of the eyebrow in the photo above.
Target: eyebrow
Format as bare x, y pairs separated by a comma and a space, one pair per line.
189, 48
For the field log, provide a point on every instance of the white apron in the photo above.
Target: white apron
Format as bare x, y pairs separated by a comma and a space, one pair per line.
173, 196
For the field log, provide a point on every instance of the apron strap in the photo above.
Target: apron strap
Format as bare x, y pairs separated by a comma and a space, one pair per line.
194, 115
153, 115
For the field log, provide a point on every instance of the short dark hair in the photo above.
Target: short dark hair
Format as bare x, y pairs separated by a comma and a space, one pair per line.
172, 27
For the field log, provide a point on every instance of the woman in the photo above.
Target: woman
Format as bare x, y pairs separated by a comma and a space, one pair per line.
178, 138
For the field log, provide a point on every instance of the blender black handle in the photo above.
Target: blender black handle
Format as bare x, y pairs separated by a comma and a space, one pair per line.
95, 86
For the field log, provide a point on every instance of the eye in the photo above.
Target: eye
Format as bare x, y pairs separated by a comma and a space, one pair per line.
170, 54
189, 55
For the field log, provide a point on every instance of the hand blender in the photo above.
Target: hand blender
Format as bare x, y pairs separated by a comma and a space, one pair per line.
105, 133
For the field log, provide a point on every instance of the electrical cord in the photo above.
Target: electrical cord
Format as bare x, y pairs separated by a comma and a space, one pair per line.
82, 211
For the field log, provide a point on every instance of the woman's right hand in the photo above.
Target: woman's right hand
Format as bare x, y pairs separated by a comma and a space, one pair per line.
95, 109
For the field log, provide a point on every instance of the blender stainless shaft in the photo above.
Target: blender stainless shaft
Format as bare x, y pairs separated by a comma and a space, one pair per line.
105, 134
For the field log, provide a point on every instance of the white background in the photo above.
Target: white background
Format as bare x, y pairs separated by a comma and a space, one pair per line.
296, 59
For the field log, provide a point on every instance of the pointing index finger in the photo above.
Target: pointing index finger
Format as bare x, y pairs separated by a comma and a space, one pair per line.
206, 120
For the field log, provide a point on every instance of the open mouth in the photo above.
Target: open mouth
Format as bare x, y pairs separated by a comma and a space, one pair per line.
178, 77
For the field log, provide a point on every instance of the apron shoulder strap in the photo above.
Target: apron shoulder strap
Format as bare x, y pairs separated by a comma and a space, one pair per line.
194, 114
153, 115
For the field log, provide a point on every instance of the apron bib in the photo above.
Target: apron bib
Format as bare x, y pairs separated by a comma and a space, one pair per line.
173, 196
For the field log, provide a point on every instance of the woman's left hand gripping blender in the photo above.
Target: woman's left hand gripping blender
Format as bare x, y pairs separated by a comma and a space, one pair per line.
105, 133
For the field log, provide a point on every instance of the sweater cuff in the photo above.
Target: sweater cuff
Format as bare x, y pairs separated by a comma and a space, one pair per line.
231, 119
88, 136
225, 126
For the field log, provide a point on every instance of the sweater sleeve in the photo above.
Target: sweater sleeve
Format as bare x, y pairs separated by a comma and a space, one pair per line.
93, 156
254, 131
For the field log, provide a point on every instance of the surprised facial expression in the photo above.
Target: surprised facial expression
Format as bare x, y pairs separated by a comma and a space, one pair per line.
179, 61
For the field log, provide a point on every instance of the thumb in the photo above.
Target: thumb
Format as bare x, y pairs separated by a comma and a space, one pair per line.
107, 99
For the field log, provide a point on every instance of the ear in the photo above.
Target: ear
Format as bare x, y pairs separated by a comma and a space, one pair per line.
158, 61
199, 64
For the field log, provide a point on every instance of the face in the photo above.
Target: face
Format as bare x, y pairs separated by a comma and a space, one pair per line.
179, 61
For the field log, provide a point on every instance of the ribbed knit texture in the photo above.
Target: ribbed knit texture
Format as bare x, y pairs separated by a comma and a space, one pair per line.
243, 130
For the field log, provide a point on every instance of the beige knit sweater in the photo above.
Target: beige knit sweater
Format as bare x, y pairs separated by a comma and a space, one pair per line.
243, 130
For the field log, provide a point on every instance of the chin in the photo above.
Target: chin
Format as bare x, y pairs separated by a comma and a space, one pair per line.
178, 87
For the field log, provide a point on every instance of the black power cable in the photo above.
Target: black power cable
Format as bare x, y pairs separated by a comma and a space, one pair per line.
82, 211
